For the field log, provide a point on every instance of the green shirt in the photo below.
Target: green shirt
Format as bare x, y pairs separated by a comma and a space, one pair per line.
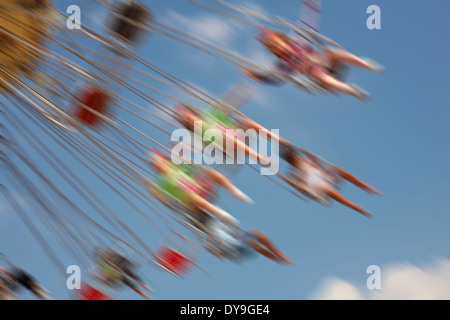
216, 119
177, 182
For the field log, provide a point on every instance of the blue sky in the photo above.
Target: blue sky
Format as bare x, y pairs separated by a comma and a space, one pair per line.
397, 142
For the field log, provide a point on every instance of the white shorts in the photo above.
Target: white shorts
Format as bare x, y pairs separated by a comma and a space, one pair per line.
315, 182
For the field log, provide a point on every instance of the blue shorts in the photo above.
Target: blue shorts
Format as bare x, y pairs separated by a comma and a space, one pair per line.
231, 242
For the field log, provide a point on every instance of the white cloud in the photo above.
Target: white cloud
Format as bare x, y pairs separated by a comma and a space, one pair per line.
336, 289
399, 281
205, 26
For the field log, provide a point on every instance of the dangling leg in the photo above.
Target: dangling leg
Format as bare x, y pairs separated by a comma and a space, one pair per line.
354, 180
331, 82
201, 203
141, 293
224, 182
349, 58
333, 194
261, 250
266, 247
143, 285
133, 287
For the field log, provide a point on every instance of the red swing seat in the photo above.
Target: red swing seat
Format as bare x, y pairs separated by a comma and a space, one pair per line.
173, 261
87, 292
95, 99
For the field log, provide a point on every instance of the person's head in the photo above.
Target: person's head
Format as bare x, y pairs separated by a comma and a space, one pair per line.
275, 42
186, 115
157, 160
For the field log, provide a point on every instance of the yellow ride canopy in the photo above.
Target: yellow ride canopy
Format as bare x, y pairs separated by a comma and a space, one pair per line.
22, 30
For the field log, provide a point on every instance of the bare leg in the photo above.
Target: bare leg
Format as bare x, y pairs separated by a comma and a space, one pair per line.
342, 200
351, 178
224, 182
205, 205
252, 154
266, 247
140, 292
332, 83
143, 285
261, 250
349, 58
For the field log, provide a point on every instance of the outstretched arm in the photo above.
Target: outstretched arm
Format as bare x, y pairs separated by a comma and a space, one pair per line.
227, 184
250, 124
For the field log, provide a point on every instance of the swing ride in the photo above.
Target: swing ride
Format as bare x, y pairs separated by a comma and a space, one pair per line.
78, 140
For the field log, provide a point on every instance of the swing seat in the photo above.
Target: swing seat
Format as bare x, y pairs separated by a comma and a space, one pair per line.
95, 99
126, 24
173, 261
88, 292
